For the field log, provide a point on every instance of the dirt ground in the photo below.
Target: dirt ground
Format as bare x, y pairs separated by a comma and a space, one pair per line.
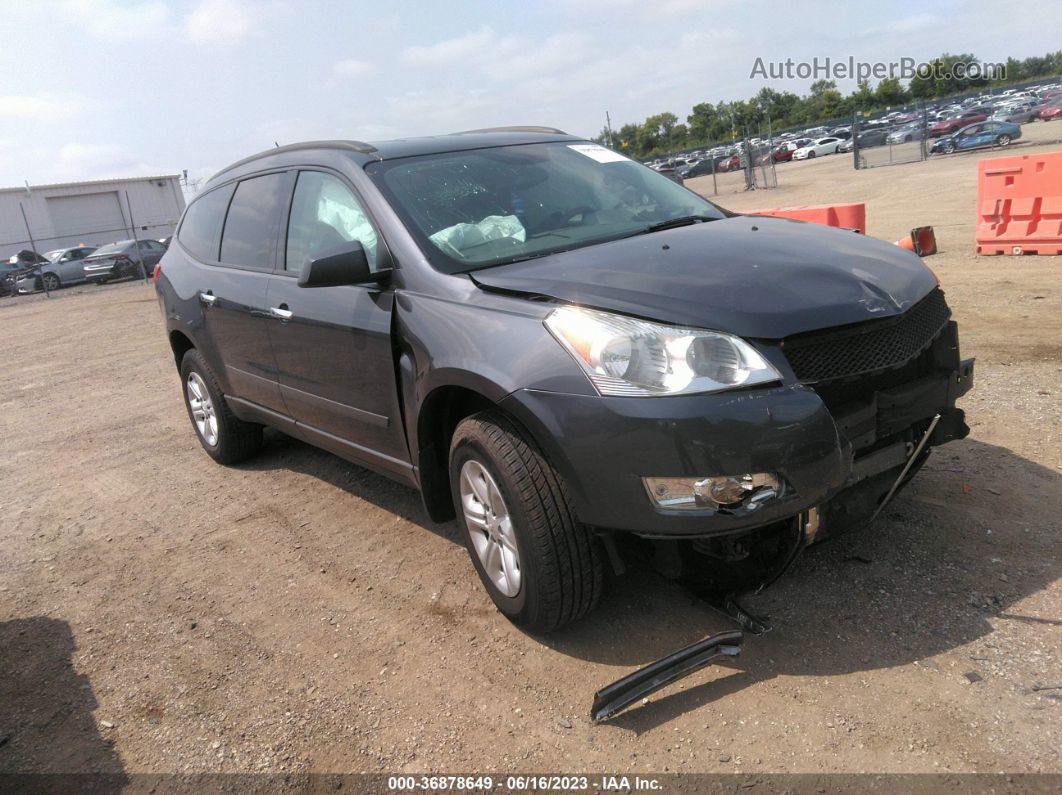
159, 613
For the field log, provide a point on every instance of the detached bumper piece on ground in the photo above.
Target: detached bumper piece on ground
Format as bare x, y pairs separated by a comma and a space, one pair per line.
622, 693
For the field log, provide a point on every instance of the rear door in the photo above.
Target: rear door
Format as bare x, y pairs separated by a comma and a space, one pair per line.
233, 288
333, 345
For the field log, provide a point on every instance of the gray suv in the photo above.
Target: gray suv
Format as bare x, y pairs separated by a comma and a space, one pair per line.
572, 354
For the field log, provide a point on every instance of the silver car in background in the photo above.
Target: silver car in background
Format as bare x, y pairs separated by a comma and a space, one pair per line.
121, 260
64, 267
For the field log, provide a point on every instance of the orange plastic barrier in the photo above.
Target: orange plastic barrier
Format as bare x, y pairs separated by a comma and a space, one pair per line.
1019, 204
847, 216
922, 241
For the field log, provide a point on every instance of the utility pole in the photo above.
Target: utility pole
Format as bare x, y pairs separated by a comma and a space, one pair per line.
33, 247
608, 126
136, 238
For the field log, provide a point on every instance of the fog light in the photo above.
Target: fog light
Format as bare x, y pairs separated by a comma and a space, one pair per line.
712, 492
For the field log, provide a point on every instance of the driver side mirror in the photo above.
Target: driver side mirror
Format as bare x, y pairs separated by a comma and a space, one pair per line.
350, 266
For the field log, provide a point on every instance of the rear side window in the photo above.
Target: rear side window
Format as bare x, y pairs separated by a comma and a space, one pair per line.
200, 230
251, 224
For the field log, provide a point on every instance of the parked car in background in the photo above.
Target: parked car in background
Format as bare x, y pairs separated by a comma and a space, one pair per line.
1051, 112
122, 261
977, 136
905, 134
955, 123
823, 146
15, 265
728, 163
9, 277
166, 241
784, 153
1021, 113
64, 267
698, 169
869, 138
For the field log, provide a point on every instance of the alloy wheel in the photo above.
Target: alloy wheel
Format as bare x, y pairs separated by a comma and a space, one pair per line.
202, 407
490, 527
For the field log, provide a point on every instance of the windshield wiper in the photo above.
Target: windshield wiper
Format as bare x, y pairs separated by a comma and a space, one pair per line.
671, 223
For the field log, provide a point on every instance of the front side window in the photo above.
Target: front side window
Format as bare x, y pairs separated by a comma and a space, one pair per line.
249, 235
200, 230
483, 207
325, 219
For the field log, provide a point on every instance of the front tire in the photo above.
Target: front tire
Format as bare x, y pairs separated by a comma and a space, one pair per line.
948, 148
225, 437
540, 565
1003, 140
50, 281
811, 155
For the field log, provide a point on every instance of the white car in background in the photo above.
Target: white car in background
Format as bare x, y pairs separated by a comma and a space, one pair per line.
823, 146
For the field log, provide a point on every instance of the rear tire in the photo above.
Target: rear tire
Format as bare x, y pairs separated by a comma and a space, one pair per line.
225, 437
559, 562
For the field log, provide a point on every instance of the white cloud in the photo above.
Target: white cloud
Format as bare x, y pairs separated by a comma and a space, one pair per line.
914, 23
220, 21
448, 51
41, 106
352, 67
658, 8
521, 58
116, 20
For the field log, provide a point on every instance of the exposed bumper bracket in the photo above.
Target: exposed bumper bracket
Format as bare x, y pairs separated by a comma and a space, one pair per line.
910, 461
612, 698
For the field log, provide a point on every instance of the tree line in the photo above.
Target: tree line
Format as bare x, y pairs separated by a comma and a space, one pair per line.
708, 124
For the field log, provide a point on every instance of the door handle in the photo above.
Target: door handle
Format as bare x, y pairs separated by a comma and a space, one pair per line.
281, 312
208, 298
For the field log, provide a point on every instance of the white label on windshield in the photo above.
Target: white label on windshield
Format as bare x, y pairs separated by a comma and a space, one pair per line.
598, 153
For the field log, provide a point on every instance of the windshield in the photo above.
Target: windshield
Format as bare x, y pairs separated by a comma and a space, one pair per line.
53, 256
483, 207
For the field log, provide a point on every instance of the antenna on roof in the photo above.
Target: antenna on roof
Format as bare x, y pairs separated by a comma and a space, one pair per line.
276, 145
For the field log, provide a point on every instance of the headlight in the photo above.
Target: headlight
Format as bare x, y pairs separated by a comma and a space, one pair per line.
635, 358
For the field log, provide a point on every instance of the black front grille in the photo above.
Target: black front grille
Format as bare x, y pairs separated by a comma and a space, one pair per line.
867, 347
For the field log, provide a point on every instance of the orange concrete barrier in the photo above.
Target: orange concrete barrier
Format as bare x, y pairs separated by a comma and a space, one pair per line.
1019, 204
847, 216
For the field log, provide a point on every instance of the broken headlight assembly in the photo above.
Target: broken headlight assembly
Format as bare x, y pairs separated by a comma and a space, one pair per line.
627, 357
726, 491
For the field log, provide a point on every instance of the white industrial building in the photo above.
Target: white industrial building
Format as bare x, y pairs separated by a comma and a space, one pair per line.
90, 213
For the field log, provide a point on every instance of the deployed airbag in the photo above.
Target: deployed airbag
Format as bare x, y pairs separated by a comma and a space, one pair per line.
455, 240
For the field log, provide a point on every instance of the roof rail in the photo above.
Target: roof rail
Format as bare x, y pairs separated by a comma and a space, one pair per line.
353, 146
517, 129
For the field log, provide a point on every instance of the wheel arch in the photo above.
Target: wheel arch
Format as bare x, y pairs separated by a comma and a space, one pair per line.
180, 344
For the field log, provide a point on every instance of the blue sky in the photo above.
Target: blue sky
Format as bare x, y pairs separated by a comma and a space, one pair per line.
91, 89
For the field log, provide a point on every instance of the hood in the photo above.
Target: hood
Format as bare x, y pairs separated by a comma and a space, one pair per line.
749, 275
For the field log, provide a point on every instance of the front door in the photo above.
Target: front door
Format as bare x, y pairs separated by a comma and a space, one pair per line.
332, 345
